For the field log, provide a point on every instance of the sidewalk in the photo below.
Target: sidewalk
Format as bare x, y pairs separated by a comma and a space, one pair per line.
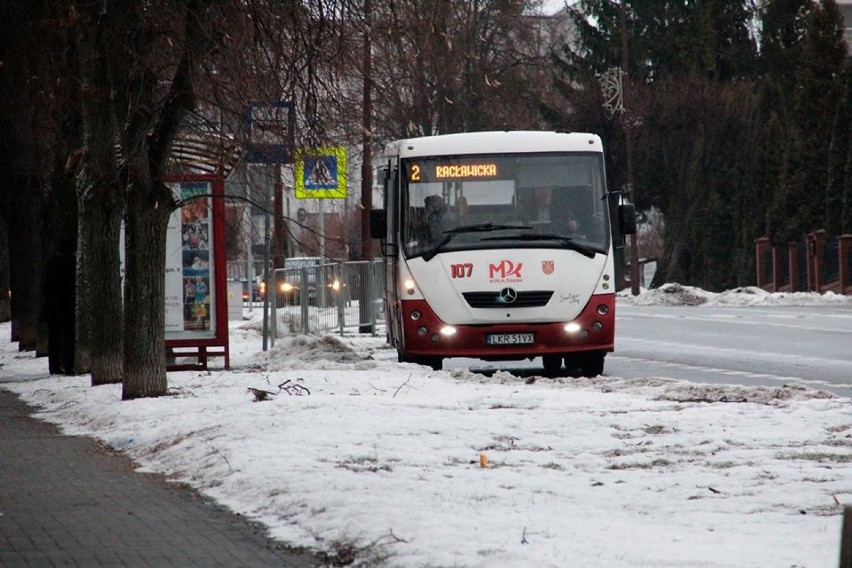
66, 501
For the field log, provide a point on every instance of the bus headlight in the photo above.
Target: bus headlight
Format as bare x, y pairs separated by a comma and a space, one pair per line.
335, 285
448, 330
415, 315
597, 326
286, 287
572, 327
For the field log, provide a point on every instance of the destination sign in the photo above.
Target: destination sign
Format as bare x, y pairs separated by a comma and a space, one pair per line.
420, 172
466, 171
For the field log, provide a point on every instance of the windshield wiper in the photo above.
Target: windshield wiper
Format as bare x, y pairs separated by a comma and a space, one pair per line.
567, 241
479, 228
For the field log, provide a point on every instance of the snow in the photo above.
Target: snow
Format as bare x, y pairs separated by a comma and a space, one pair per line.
352, 451
674, 294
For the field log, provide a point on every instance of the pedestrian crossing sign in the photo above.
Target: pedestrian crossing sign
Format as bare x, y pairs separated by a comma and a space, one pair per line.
321, 173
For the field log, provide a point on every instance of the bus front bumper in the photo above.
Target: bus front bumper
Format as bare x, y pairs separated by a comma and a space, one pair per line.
427, 336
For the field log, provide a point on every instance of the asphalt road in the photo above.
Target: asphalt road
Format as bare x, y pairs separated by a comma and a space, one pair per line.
760, 345
757, 345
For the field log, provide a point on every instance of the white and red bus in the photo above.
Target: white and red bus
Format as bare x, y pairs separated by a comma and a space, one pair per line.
499, 246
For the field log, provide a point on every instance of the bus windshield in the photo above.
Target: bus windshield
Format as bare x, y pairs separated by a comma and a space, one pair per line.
469, 202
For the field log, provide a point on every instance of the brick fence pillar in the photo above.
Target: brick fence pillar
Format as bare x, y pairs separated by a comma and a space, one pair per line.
844, 253
818, 259
762, 245
794, 260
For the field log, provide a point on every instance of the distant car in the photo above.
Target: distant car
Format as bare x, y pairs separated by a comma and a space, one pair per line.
257, 291
289, 288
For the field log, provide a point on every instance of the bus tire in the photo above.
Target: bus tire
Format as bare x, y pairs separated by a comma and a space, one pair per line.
552, 363
435, 362
592, 364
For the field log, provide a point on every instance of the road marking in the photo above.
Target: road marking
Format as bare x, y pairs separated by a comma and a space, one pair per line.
717, 371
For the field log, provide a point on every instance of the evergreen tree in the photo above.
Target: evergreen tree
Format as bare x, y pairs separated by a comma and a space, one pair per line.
783, 28
846, 201
666, 37
837, 159
799, 204
688, 114
766, 140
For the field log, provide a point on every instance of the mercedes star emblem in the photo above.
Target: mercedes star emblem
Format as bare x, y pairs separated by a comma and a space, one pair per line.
508, 295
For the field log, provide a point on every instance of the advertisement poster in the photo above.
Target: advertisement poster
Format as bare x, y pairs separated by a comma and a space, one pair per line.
190, 313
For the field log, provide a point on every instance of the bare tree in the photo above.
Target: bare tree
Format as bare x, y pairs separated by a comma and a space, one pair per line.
150, 72
100, 32
453, 66
34, 76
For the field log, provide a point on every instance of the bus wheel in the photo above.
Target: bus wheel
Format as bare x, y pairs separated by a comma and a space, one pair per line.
552, 363
435, 362
592, 364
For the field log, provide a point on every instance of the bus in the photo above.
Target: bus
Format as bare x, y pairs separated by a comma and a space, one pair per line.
499, 246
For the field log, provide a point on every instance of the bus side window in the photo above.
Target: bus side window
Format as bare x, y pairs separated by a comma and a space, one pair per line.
417, 223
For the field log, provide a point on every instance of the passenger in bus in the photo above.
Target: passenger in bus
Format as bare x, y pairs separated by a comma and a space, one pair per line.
438, 218
541, 210
462, 209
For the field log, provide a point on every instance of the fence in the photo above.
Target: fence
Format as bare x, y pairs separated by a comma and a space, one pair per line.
338, 296
818, 263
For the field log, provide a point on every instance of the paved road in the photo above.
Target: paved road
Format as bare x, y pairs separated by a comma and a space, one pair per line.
760, 345
66, 501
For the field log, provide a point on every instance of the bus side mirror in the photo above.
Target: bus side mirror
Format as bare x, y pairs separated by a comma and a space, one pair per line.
378, 223
627, 218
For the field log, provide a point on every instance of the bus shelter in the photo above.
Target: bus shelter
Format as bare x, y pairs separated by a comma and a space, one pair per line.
196, 315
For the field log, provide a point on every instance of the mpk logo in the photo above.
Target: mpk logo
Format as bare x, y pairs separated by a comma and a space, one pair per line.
505, 271
547, 266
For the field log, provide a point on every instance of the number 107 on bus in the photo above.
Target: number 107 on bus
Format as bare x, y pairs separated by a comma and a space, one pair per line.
461, 270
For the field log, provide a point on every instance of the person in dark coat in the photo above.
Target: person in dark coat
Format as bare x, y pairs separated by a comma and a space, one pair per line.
540, 210
439, 218
59, 291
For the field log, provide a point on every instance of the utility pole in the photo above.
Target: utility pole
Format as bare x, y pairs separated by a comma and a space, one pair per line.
278, 203
367, 137
628, 149
364, 302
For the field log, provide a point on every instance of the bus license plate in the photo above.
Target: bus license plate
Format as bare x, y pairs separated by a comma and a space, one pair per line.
509, 338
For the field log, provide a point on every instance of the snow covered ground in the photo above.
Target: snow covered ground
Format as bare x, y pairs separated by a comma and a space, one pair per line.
407, 467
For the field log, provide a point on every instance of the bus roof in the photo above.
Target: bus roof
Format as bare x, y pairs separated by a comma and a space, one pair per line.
495, 142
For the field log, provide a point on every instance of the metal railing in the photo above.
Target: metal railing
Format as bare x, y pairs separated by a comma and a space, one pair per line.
338, 296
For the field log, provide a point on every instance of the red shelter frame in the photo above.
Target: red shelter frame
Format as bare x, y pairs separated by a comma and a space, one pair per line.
201, 345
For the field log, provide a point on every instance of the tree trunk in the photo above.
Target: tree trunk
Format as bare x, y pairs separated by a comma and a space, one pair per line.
144, 295
100, 342
5, 283
25, 259
100, 203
